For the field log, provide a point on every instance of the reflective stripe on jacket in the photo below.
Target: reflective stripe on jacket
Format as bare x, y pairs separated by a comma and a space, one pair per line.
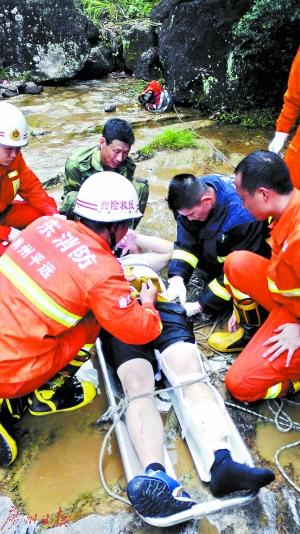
17, 178
284, 268
205, 244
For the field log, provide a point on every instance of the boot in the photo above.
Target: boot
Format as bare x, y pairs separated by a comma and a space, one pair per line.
296, 386
63, 392
11, 410
283, 389
250, 316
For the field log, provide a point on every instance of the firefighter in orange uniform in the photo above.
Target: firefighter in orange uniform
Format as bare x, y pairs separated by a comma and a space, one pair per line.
269, 365
61, 282
286, 120
17, 179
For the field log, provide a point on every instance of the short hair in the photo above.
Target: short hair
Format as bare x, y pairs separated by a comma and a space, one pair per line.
185, 191
263, 168
118, 129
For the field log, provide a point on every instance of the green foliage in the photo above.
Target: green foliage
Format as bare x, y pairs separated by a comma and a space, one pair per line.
117, 10
262, 118
97, 130
8, 74
169, 139
4, 74
266, 40
139, 86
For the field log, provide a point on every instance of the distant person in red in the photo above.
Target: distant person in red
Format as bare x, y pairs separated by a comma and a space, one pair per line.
286, 120
155, 98
17, 179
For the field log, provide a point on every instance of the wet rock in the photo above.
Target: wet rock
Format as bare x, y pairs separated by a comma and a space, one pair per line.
54, 180
115, 43
8, 93
210, 54
41, 40
38, 132
8, 89
136, 39
193, 40
110, 107
31, 88
94, 523
12, 86
148, 65
104, 57
12, 520
117, 74
99, 62
92, 33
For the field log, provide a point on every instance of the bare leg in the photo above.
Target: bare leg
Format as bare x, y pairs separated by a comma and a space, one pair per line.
157, 251
154, 250
156, 261
152, 243
142, 417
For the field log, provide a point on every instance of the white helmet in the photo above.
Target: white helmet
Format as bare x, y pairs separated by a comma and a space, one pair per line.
13, 126
107, 197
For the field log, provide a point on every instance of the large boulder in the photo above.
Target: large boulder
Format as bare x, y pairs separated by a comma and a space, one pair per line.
266, 40
136, 39
105, 57
232, 53
195, 39
44, 39
148, 65
99, 62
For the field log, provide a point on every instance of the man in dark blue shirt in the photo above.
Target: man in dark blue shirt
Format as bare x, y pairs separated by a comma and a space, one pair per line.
211, 223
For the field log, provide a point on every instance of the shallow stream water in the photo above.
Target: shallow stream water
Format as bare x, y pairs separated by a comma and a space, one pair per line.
57, 466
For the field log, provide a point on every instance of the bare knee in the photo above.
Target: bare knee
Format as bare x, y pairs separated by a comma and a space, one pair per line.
182, 359
136, 377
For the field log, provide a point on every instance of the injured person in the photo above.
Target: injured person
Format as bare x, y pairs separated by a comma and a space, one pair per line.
154, 493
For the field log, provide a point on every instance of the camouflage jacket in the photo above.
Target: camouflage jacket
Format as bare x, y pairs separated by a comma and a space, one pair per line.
85, 162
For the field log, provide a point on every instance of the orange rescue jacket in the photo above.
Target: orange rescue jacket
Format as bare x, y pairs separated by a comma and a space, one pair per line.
291, 107
52, 275
19, 179
284, 268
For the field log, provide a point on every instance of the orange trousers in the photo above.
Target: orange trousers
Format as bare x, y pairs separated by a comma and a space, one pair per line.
292, 158
68, 346
19, 215
251, 375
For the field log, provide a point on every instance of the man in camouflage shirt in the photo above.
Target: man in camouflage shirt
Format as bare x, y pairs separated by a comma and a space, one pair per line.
111, 154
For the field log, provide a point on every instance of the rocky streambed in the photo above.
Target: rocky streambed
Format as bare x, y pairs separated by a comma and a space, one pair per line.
54, 484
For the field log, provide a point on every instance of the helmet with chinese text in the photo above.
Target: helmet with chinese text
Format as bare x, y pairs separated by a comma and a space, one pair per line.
107, 197
13, 126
